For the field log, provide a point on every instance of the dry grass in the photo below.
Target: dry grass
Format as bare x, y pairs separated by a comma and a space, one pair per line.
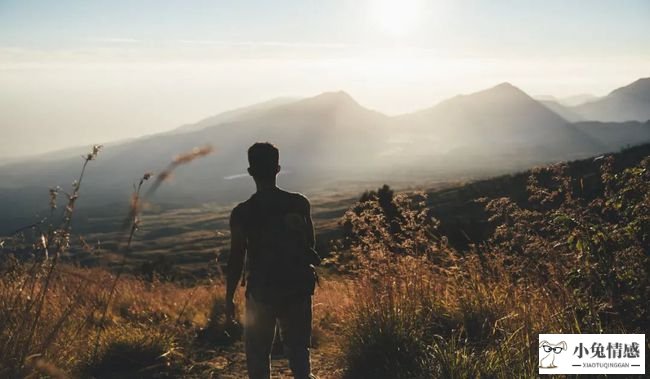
461, 322
72, 315
402, 303
566, 265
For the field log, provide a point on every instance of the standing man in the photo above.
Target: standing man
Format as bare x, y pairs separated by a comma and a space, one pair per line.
274, 234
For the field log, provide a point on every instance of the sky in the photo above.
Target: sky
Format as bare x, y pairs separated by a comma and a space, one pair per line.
83, 72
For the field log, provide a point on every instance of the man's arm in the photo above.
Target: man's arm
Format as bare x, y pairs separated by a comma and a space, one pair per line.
311, 235
235, 261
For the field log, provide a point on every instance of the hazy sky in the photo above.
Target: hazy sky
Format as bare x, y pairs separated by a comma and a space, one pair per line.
78, 72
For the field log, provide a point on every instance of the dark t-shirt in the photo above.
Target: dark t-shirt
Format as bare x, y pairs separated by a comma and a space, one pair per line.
274, 222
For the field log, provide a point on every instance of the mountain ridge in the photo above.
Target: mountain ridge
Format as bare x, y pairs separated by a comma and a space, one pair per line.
628, 103
324, 140
569, 113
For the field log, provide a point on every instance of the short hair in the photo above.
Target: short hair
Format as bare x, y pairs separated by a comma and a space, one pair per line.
263, 159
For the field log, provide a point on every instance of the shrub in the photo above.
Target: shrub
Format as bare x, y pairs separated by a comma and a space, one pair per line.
596, 246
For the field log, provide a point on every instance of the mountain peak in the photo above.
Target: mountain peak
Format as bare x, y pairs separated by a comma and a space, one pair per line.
640, 82
335, 97
503, 93
504, 85
505, 88
631, 102
640, 87
329, 100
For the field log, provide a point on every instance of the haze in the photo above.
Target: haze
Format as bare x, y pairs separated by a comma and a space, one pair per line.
77, 72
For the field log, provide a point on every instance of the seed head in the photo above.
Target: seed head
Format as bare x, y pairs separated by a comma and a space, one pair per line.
197, 152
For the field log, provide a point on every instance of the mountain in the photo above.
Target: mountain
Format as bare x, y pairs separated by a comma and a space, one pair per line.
561, 110
564, 106
575, 100
325, 141
628, 103
499, 122
568, 101
316, 136
615, 135
235, 114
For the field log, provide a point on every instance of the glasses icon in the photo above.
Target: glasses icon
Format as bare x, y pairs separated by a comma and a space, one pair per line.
556, 350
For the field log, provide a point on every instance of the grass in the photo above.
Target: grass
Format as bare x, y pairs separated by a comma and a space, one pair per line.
72, 316
396, 301
564, 264
132, 352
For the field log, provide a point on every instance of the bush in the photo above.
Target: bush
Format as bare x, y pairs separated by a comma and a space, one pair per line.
560, 262
597, 246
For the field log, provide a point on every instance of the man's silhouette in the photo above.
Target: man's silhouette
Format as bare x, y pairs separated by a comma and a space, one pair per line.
273, 232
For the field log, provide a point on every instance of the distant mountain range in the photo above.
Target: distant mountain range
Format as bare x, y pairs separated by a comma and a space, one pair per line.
330, 139
629, 103
493, 124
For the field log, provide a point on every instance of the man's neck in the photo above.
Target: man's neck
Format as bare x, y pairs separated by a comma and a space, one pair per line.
265, 185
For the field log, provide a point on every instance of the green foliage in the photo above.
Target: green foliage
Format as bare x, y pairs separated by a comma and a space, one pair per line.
598, 247
384, 222
571, 257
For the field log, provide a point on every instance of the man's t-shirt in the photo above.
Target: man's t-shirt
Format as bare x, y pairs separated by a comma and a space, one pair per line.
275, 226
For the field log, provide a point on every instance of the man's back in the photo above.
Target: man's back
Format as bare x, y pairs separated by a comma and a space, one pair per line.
278, 233
272, 198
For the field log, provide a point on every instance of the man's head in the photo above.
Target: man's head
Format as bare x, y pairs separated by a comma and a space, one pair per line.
263, 161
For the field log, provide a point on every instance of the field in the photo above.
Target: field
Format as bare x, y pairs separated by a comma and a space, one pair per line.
448, 282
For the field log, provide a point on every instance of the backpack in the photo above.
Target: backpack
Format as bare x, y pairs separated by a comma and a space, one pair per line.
279, 262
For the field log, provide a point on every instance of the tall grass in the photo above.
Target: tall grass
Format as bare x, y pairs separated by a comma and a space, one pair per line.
24, 334
49, 311
399, 302
562, 264
458, 323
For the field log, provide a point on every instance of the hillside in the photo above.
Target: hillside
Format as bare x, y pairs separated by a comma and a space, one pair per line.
578, 229
190, 239
317, 136
561, 110
499, 122
628, 103
465, 221
235, 114
327, 141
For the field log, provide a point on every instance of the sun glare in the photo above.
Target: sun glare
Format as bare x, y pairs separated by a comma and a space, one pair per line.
396, 17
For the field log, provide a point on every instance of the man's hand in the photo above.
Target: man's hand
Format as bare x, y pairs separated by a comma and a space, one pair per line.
230, 310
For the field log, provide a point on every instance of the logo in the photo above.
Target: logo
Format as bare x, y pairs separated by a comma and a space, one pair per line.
547, 361
591, 354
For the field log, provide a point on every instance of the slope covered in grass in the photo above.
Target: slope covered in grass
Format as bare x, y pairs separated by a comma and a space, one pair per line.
561, 248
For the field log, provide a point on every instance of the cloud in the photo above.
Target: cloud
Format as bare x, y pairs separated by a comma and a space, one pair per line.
254, 44
114, 40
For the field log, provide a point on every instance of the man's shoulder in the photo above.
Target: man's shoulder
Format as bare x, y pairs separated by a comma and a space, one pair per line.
239, 211
297, 197
241, 206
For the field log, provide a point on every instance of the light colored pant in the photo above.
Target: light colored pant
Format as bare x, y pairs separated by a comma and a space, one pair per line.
294, 320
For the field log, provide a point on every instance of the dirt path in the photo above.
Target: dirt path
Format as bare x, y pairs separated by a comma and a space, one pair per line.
231, 364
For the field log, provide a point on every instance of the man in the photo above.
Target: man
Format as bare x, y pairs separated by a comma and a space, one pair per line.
273, 232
